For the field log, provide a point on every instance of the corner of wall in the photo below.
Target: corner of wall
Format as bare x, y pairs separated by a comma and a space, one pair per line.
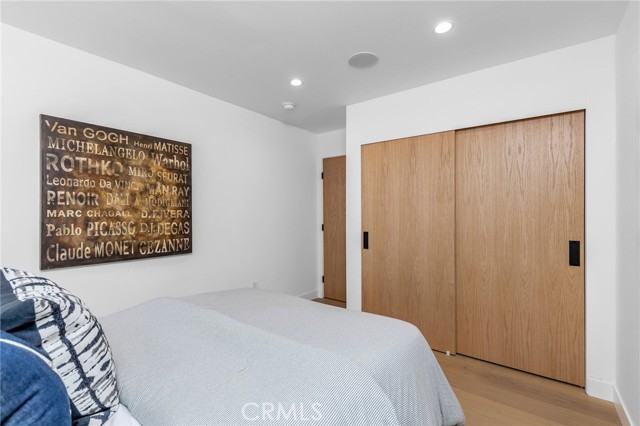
599, 389
626, 392
310, 295
621, 410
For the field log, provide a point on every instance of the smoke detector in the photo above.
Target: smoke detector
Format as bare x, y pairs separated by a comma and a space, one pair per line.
288, 106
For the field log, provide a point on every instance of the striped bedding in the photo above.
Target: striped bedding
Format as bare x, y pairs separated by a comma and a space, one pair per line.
255, 357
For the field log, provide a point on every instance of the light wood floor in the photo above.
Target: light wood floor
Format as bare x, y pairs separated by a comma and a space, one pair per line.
331, 302
492, 395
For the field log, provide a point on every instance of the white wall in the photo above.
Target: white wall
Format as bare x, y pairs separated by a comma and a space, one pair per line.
0, 142
628, 298
330, 144
254, 180
582, 76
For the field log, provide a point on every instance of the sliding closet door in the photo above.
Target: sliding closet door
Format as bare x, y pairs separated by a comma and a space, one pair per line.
334, 190
519, 204
408, 269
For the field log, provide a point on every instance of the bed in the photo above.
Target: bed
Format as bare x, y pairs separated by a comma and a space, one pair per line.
251, 356
237, 357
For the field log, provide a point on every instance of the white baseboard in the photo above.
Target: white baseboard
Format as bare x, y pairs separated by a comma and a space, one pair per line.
620, 408
310, 295
598, 389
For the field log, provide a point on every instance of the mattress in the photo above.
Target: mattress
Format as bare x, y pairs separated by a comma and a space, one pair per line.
256, 357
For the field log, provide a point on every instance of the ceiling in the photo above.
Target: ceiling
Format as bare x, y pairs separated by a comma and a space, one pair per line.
246, 53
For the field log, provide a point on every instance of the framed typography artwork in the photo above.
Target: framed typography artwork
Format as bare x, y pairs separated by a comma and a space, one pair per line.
110, 195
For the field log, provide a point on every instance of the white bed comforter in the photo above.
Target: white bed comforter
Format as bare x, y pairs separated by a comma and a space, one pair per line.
256, 357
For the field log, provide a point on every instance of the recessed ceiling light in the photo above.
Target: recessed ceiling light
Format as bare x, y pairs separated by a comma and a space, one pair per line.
288, 106
363, 60
443, 27
296, 82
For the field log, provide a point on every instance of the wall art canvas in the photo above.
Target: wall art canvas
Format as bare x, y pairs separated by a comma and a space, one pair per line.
111, 195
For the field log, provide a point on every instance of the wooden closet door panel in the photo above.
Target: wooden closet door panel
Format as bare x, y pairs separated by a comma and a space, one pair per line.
519, 201
334, 211
408, 204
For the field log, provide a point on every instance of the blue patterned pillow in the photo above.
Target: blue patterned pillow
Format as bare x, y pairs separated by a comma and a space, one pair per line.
40, 312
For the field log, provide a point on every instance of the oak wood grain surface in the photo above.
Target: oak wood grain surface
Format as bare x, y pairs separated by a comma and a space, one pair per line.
331, 302
408, 202
492, 395
519, 201
334, 219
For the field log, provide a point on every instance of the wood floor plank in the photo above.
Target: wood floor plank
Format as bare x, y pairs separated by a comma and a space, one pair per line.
494, 395
481, 410
331, 302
